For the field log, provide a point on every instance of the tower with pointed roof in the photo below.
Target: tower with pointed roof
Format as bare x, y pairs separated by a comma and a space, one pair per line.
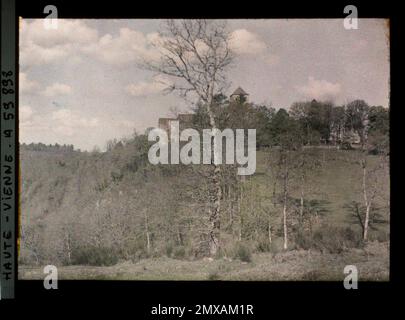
239, 95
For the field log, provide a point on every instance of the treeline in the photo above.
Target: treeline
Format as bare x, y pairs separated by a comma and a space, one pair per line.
306, 123
49, 148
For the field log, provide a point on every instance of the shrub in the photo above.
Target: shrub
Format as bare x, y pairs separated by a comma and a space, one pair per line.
28, 257
263, 245
169, 249
213, 276
329, 239
380, 236
303, 240
276, 246
346, 146
243, 253
101, 186
94, 256
179, 253
313, 275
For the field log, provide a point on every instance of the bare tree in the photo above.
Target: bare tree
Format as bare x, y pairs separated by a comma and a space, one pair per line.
370, 186
196, 54
285, 176
307, 163
372, 171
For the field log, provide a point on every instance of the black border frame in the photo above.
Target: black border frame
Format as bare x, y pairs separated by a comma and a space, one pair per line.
265, 296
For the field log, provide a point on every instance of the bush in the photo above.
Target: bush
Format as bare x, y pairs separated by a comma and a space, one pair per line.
243, 253
213, 276
276, 246
169, 249
263, 245
329, 239
380, 236
174, 251
179, 253
94, 256
346, 146
303, 240
27, 257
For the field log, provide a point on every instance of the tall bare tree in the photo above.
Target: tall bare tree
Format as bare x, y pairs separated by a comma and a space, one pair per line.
372, 141
196, 54
371, 175
285, 177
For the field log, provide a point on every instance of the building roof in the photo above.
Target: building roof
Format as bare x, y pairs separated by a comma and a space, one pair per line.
185, 116
239, 92
166, 119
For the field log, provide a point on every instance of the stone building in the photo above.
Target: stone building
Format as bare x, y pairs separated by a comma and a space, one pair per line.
239, 95
186, 119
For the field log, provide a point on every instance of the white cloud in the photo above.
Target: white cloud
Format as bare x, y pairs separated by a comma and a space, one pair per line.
60, 123
68, 31
66, 122
32, 54
40, 46
72, 127
319, 89
243, 41
26, 85
145, 88
57, 89
73, 38
129, 46
25, 114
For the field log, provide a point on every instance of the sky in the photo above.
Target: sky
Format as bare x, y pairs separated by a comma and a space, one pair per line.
82, 83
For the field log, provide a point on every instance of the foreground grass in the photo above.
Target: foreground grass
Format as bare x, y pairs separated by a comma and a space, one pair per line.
372, 263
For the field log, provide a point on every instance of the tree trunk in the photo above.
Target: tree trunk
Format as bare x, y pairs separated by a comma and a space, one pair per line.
214, 219
367, 203
285, 221
302, 200
230, 208
367, 200
147, 233
285, 206
240, 228
269, 230
240, 218
242, 178
68, 248
302, 176
366, 223
180, 236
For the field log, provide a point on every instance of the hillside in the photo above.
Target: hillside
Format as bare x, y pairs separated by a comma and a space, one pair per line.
82, 208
